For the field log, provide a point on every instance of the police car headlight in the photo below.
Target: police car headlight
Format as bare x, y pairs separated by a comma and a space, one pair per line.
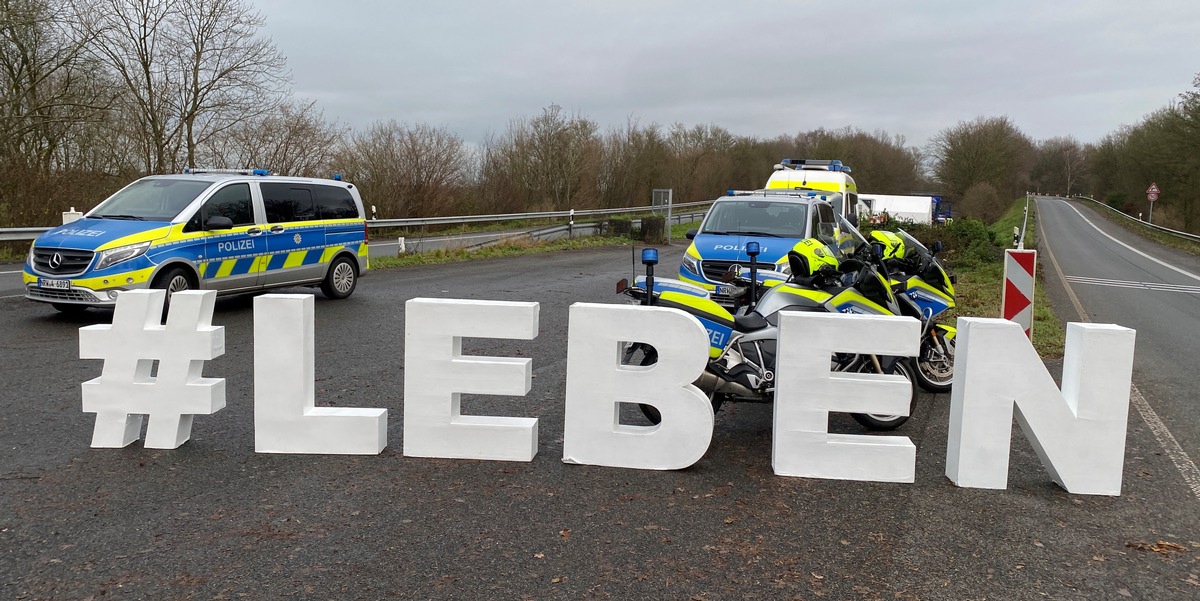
112, 256
29, 256
691, 264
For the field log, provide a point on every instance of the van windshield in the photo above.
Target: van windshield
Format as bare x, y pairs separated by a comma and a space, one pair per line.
757, 217
151, 200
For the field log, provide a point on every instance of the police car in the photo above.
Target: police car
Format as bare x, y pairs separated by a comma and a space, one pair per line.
776, 219
231, 231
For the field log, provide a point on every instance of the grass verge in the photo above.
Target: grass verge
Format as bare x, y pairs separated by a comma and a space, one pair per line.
507, 249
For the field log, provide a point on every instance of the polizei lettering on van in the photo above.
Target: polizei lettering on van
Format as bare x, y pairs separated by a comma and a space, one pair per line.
235, 245
762, 249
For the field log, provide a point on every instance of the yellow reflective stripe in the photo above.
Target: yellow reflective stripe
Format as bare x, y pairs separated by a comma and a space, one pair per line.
329, 252
812, 295
703, 305
113, 281
295, 259
852, 296
203, 268
260, 263
226, 268
153, 234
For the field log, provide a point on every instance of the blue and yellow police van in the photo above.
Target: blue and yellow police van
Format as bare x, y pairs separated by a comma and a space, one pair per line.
776, 219
232, 231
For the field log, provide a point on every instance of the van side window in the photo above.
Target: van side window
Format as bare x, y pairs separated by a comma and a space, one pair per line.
232, 201
824, 229
288, 202
335, 203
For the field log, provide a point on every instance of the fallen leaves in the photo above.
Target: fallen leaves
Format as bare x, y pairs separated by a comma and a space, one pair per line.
1162, 546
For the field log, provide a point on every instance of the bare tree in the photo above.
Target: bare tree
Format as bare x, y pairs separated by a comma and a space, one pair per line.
190, 70
48, 88
990, 150
416, 171
295, 140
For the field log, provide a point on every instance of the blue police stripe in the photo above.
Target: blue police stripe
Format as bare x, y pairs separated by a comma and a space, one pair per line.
277, 261
313, 256
242, 266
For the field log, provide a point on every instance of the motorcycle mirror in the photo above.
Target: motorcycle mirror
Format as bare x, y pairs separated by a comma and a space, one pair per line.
936, 247
622, 285
953, 279
752, 249
877, 250
649, 256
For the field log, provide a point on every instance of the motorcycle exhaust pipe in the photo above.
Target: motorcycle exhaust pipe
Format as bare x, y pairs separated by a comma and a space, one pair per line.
711, 383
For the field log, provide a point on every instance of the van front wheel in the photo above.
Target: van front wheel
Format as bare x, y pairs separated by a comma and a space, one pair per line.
341, 279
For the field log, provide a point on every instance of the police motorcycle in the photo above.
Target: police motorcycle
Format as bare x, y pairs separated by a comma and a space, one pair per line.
743, 347
925, 291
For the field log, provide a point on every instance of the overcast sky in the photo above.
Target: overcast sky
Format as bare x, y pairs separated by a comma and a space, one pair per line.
758, 68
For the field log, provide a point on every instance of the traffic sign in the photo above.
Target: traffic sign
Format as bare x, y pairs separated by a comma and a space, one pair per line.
1153, 196
1153, 189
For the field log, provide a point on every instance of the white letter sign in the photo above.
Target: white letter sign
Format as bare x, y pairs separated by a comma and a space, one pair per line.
1078, 434
597, 383
125, 390
806, 391
286, 418
436, 375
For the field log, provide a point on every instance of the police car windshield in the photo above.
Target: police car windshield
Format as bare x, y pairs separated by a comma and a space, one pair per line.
758, 218
151, 200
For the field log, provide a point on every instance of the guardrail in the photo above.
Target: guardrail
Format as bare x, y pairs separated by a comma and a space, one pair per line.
15, 234
1165, 230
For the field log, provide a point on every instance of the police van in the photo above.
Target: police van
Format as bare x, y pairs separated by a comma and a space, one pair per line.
231, 231
814, 175
776, 219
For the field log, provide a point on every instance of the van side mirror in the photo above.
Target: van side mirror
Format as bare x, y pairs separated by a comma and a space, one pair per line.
218, 222
691, 234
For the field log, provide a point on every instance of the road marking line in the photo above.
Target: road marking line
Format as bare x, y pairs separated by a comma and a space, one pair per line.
1138, 285
1187, 468
8, 272
1105, 234
13, 296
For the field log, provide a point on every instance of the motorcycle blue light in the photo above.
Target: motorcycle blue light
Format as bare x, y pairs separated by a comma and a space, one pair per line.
752, 248
650, 256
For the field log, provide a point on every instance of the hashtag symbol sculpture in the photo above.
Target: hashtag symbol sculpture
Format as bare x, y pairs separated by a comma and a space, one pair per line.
126, 389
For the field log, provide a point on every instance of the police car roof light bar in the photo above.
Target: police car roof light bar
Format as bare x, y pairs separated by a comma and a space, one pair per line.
828, 165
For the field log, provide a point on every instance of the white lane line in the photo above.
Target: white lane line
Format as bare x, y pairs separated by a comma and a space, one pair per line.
8, 272
1187, 468
1157, 286
1105, 234
13, 296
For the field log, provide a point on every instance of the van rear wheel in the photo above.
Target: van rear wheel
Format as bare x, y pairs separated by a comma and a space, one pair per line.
341, 279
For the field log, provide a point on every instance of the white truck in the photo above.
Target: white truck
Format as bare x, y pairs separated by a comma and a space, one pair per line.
917, 209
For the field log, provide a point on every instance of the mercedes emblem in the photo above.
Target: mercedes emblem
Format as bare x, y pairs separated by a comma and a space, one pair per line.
55, 261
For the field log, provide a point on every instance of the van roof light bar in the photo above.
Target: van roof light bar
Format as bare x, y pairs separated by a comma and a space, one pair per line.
247, 171
821, 164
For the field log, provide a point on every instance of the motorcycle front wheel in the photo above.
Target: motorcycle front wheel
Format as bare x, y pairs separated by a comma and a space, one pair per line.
877, 422
935, 368
644, 354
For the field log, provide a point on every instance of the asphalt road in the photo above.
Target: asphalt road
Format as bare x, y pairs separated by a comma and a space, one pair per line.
1114, 276
214, 520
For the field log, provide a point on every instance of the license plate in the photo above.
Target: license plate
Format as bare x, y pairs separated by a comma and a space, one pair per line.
729, 290
54, 284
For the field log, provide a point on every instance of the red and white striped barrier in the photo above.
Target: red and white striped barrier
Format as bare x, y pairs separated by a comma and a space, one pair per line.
1016, 302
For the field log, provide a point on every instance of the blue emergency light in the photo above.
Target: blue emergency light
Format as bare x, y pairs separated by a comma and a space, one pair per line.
649, 256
